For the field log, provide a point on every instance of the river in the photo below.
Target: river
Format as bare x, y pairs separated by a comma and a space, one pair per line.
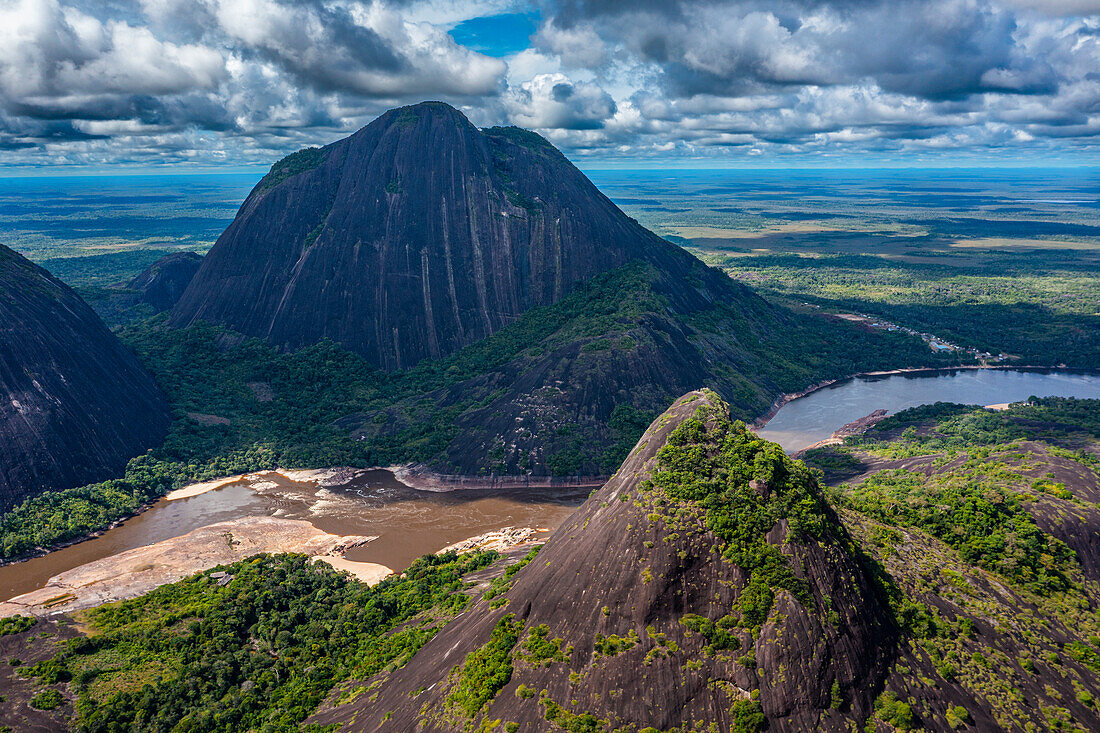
808, 419
410, 523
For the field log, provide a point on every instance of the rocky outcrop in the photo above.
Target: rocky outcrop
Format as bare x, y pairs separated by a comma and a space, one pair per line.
415, 236
648, 608
162, 284
75, 405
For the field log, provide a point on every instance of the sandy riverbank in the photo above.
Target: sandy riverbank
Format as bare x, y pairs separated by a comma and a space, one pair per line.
134, 572
317, 475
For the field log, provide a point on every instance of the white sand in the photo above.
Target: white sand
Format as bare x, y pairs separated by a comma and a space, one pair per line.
137, 571
366, 572
201, 488
307, 474
318, 474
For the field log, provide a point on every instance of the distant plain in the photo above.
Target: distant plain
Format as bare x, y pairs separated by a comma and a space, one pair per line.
1003, 260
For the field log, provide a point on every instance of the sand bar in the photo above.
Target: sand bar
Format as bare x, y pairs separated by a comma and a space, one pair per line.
201, 488
134, 572
316, 475
499, 539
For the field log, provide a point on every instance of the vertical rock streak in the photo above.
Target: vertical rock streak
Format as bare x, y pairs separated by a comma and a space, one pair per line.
510, 222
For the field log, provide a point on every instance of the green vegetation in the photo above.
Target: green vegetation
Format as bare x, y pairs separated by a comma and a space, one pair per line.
972, 513
748, 716
889, 709
257, 653
1037, 306
47, 700
16, 624
979, 506
716, 633
610, 646
946, 428
539, 649
304, 160
102, 271
982, 499
486, 669
745, 485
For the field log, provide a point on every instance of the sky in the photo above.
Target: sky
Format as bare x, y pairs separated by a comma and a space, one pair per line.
178, 85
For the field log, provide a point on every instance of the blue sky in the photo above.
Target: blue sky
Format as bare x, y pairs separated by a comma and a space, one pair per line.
500, 35
89, 85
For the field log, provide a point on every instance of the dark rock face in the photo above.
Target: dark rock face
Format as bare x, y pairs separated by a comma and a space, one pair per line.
617, 569
163, 283
413, 237
75, 405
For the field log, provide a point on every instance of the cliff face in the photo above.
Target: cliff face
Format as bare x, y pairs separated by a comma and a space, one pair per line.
705, 587
162, 284
413, 237
75, 405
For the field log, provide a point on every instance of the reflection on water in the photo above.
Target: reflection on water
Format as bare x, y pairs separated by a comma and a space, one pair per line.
408, 523
814, 417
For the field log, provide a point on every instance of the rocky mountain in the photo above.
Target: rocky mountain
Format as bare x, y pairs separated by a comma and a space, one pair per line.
706, 586
75, 405
415, 236
527, 325
162, 284
709, 585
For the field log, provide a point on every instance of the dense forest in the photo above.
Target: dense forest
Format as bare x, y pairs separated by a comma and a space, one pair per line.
1040, 307
256, 652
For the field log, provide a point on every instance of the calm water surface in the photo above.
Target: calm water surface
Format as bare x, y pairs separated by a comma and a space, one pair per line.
814, 417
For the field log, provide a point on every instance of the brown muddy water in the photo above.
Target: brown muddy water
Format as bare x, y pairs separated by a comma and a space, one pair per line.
408, 523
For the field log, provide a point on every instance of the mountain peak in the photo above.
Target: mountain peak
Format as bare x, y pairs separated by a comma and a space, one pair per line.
412, 238
708, 568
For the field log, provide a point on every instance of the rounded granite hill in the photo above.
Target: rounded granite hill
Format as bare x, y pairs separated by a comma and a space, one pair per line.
413, 237
75, 405
706, 587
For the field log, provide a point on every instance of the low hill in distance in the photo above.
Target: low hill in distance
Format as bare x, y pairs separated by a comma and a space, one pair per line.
163, 283
75, 405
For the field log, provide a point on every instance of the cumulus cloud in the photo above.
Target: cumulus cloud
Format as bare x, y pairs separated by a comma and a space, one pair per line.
98, 81
552, 101
266, 72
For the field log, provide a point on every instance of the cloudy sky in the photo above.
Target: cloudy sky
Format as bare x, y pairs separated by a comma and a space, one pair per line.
96, 84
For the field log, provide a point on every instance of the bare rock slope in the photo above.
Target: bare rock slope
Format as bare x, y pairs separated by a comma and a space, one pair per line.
75, 405
415, 236
163, 283
705, 586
